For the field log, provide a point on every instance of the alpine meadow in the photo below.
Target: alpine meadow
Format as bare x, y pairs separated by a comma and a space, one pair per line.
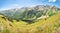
36, 19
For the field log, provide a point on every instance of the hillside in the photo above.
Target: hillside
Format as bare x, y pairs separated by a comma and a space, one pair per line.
30, 14
51, 25
38, 19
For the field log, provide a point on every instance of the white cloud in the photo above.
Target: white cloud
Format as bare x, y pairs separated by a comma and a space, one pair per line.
11, 6
52, 0
5, 9
15, 5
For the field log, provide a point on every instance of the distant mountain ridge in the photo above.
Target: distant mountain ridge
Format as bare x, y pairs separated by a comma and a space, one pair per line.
30, 13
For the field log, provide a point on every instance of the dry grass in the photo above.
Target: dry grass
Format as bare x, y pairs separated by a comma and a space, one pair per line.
51, 25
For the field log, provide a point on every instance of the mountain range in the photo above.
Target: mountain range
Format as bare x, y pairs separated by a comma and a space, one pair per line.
30, 14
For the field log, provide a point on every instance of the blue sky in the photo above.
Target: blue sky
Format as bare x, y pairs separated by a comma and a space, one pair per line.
8, 4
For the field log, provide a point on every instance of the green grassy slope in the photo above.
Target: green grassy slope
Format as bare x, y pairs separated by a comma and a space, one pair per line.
51, 25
